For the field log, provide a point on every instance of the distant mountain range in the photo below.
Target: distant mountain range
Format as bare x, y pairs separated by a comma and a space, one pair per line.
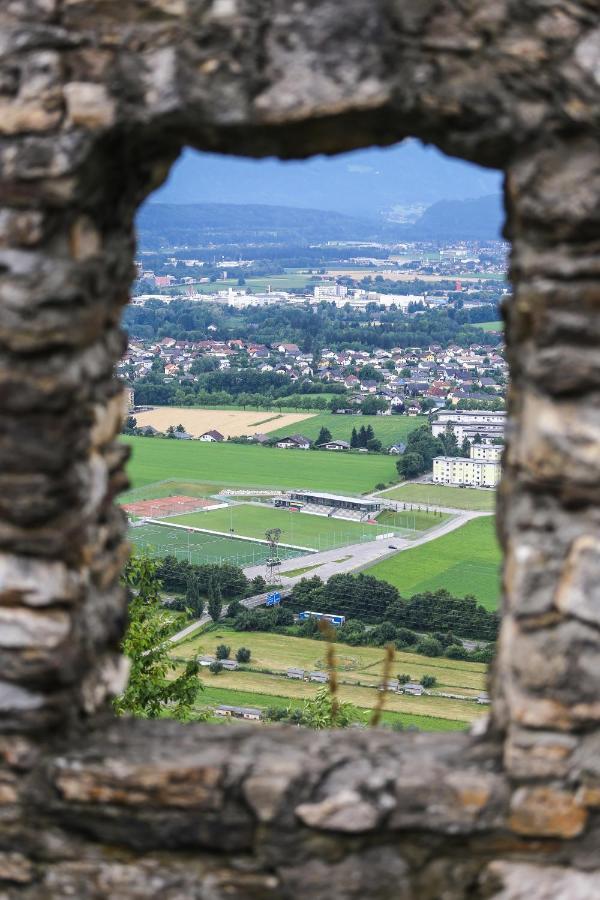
162, 225
369, 183
479, 219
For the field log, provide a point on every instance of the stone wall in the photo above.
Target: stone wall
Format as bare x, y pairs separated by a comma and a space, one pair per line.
97, 97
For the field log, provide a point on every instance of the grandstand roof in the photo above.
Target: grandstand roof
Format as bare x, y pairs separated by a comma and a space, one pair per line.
337, 497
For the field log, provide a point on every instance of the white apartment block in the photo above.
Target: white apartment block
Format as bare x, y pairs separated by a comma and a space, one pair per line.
329, 291
482, 469
461, 471
469, 422
490, 452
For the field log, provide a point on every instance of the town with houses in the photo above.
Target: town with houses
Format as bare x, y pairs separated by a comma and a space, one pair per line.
459, 388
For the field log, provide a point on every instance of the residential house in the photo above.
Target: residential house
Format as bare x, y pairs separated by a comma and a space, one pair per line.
211, 437
295, 673
397, 449
412, 688
294, 442
335, 445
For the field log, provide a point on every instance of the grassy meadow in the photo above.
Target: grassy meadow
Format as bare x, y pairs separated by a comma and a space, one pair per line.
389, 429
359, 669
465, 561
213, 696
443, 495
490, 326
154, 459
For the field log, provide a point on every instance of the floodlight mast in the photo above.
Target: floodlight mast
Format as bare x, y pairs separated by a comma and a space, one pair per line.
273, 562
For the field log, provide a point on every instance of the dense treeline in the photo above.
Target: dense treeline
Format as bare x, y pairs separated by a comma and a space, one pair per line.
245, 386
312, 328
370, 600
175, 575
354, 632
363, 599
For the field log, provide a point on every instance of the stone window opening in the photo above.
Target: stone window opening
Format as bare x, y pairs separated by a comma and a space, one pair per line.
96, 100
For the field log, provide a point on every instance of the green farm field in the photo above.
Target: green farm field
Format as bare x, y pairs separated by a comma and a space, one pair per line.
301, 529
214, 696
236, 465
443, 495
360, 670
490, 326
282, 282
465, 561
389, 429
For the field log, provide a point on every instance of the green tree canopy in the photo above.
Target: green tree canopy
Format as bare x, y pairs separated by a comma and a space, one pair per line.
150, 692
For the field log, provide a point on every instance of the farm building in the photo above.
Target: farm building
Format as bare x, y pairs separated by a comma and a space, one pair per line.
206, 660
320, 677
392, 685
414, 689
211, 436
239, 712
483, 698
295, 673
229, 664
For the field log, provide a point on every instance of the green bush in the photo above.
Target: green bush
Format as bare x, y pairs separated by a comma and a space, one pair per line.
215, 667
429, 647
243, 655
223, 651
456, 651
428, 681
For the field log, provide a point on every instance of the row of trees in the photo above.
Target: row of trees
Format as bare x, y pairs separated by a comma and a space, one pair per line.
356, 634
369, 600
175, 576
311, 327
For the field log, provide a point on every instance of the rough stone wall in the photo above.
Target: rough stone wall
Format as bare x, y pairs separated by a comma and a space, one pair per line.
97, 97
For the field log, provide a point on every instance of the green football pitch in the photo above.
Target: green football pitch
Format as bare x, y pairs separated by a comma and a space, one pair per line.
464, 562
302, 529
199, 548
156, 459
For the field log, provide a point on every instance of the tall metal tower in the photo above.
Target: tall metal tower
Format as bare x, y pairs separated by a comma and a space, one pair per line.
273, 562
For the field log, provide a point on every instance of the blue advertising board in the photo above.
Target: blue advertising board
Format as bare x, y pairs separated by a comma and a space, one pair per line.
274, 598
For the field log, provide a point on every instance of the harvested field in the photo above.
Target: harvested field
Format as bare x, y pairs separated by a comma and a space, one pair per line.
168, 506
230, 422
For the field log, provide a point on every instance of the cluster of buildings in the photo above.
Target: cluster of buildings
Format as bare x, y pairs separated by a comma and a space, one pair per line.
407, 380
485, 432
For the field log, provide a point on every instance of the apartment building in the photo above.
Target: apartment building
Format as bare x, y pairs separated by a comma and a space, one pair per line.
481, 469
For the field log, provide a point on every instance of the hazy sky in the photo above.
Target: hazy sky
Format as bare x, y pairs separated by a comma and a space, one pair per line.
364, 182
